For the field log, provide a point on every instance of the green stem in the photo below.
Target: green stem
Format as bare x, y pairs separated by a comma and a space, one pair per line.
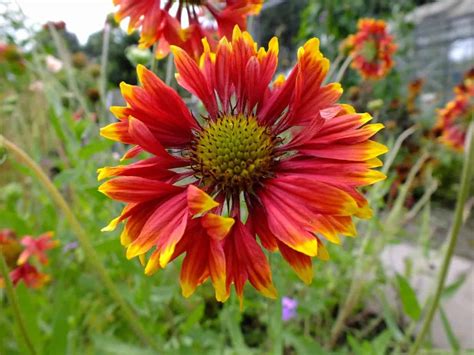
342, 69
334, 66
452, 239
392, 222
15, 305
66, 59
231, 321
396, 148
154, 62
92, 257
169, 69
103, 66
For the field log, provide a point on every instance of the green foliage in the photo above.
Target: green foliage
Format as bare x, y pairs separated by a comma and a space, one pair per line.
119, 67
409, 300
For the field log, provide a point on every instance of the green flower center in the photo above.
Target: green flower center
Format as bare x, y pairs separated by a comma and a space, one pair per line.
234, 154
369, 50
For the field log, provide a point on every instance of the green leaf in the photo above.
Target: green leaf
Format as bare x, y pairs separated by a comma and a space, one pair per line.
29, 302
410, 302
390, 318
453, 341
381, 344
109, 345
303, 345
64, 298
451, 289
193, 318
94, 147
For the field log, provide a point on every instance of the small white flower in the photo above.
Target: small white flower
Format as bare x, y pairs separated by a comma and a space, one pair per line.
53, 64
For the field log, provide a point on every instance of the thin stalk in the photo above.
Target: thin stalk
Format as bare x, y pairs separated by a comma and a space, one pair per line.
342, 69
393, 219
452, 238
169, 69
354, 293
396, 147
103, 66
275, 314
154, 62
422, 201
66, 59
230, 320
333, 67
10, 290
92, 257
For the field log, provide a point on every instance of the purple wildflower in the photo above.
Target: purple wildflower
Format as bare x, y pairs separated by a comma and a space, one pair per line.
288, 310
70, 246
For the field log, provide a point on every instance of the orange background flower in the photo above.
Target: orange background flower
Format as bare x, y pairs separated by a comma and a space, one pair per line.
372, 49
183, 22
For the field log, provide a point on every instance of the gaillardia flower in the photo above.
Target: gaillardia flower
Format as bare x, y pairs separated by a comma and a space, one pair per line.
267, 165
467, 85
372, 49
37, 247
184, 22
18, 255
30, 275
10, 246
453, 120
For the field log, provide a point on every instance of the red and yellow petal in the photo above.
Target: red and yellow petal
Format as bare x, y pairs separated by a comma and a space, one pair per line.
118, 132
194, 270
199, 201
192, 79
217, 226
245, 261
217, 269
163, 230
136, 189
301, 263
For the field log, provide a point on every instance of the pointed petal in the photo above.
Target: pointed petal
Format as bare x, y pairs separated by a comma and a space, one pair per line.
199, 201
301, 263
217, 226
136, 189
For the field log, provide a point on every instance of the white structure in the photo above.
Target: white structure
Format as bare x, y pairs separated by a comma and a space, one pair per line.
444, 44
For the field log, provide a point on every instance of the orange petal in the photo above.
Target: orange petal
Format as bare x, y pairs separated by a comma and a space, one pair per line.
199, 201
217, 226
217, 269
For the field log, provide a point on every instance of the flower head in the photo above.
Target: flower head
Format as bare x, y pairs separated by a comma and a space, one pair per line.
453, 120
372, 49
163, 22
37, 247
30, 275
288, 308
18, 253
267, 165
467, 85
10, 246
